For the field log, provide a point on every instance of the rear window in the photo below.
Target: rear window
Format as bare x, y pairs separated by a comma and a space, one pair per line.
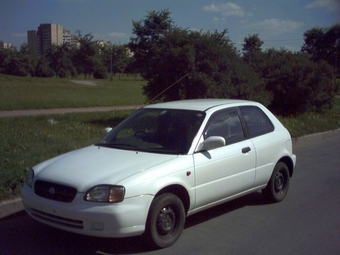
257, 121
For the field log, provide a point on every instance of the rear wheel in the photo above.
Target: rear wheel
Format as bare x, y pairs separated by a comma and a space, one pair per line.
165, 220
278, 185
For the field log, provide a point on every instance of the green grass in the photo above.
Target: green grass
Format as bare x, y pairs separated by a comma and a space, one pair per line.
46, 93
310, 123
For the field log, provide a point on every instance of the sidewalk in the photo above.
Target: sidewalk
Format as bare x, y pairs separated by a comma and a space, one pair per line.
36, 112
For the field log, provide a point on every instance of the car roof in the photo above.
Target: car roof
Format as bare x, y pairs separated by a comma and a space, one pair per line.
200, 104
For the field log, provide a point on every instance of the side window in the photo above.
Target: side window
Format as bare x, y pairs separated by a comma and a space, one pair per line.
225, 124
257, 121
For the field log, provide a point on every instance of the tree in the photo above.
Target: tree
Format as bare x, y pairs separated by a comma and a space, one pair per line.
43, 68
116, 55
84, 57
60, 61
122, 58
252, 50
15, 62
148, 32
207, 61
323, 43
297, 84
29, 60
4, 55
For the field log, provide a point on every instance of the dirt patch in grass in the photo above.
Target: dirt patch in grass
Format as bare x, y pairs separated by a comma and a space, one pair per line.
88, 83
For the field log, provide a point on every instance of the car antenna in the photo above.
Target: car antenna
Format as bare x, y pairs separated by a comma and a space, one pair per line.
167, 88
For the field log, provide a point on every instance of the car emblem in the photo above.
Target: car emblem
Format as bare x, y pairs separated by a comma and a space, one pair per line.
51, 190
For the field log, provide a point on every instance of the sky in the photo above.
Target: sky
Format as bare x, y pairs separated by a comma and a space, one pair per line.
278, 23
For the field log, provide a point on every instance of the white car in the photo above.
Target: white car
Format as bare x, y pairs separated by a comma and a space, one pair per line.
165, 162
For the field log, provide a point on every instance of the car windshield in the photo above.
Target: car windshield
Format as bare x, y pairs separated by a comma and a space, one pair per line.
156, 130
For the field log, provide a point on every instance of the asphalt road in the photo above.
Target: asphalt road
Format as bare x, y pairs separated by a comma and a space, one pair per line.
306, 222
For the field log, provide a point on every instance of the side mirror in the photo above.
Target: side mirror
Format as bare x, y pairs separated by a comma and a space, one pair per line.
107, 130
212, 142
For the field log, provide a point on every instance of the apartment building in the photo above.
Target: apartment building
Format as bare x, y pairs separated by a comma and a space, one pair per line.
4, 45
67, 36
33, 41
47, 34
69, 39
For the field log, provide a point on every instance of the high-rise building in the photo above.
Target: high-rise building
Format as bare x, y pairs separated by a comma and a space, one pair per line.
4, 45
67, 36
70, 39
33, 41
46, 35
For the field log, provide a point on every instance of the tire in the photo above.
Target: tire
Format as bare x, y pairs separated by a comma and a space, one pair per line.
278, 185
165, 220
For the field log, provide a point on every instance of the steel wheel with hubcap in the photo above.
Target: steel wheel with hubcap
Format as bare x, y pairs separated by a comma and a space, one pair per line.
165, 220
278, 185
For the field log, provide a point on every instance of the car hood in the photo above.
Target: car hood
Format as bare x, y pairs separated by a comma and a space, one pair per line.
95, 165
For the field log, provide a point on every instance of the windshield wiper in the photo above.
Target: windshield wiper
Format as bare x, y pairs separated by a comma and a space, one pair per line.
116, 145
164, 150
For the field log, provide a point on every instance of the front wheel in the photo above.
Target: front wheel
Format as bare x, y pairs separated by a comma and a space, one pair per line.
165, 220
278, 185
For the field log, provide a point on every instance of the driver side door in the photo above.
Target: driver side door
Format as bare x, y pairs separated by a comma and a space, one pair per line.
228, 170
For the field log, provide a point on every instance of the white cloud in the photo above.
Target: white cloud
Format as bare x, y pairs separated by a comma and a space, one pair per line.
226, 9
118, 35
113, 37
18, 35
326, 5
219, 20
195, 29
277, 26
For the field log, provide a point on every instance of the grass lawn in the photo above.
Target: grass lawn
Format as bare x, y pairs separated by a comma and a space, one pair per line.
18, 93
310, 123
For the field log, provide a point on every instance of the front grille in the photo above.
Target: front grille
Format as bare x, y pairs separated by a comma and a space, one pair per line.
78, 224
54, 191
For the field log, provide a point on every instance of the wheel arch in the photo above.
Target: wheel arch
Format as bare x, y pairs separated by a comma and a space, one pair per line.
180, 192
289, 163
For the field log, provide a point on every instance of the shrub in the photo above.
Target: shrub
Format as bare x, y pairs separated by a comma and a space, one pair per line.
100, 72
297, 84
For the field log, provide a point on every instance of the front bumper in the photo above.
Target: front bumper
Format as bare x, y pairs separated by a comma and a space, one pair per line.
123, 219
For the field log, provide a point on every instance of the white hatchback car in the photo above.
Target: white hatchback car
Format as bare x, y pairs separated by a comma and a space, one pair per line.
165, 162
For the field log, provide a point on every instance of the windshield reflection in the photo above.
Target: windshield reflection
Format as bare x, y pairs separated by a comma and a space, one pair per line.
156, 130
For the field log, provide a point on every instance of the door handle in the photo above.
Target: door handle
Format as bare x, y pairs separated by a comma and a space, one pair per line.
246, 150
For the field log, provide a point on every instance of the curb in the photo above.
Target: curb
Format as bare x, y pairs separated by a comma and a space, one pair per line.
316, 137
15, 205
9, 207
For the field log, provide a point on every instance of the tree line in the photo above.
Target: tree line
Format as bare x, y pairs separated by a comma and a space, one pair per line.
90, 58
180, 63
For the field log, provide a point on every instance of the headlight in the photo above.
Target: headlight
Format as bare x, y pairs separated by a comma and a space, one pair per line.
105, 193
30, 178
